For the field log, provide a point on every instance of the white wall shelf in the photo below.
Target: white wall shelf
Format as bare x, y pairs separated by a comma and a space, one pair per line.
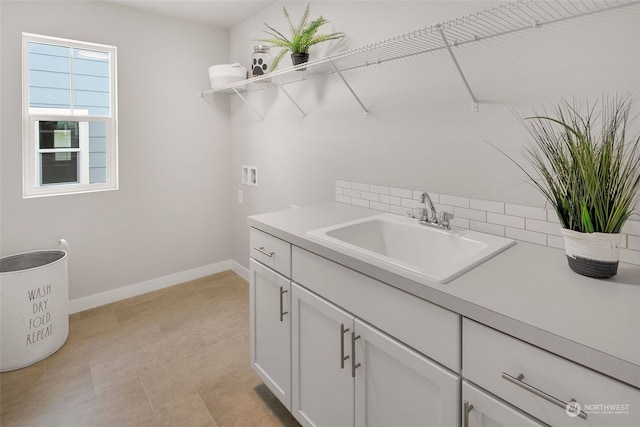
503, 19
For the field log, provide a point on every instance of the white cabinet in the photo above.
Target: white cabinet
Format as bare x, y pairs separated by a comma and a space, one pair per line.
481, 410
340, 348
270, 324
271, 251
322, 382
347, 373
395, 386
549, 388
423, 326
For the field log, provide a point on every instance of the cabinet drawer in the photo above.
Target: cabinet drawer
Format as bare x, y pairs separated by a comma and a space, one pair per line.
426, 327
271, 251
496, 361
481, 410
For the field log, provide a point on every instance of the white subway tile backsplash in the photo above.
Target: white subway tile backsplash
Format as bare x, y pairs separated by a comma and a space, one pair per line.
525, 211
360, 186
379, 206
343, 199
410, 203
460, 223
552, 216
379, 189
392, 200
630, 256
401, 192
360, 202
351, 193
486, 205
631, 227
370, 196
399, 210
483, 227
543, 226
555, 241
525, 223
508, 220
461, 202
527, 236
470, 214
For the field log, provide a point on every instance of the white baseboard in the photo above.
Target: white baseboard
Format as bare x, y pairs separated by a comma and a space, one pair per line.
92, 301
240, 270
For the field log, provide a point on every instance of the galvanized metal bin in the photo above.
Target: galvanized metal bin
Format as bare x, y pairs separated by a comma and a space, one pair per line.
34, 307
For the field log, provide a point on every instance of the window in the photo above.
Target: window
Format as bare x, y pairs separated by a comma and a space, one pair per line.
69, 104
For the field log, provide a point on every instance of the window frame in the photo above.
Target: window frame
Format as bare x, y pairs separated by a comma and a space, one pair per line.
31, 152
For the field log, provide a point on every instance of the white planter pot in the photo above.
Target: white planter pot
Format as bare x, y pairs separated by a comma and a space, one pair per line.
592, 254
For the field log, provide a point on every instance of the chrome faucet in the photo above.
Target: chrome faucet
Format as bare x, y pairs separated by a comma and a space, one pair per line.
429, 216
424, 212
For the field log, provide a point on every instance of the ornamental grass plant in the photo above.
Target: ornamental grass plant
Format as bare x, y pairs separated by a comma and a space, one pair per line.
586, 165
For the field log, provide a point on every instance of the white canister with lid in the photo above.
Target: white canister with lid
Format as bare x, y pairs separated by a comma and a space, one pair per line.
225, 74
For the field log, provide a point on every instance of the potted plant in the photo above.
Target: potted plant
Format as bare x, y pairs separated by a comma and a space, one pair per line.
303, 36
590, 174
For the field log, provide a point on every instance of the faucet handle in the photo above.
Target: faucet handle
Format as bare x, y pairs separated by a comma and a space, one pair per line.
445, 217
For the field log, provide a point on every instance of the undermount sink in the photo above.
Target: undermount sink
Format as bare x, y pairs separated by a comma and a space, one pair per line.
412, 250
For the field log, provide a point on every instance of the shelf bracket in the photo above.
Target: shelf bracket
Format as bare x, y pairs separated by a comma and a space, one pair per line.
292, 100
248, 104
366, 112
455, 62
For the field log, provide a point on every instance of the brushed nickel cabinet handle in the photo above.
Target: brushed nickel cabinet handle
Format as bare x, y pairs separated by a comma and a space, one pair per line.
282, 312
354, 366
467, 407
559, 403
262, 251
343, 331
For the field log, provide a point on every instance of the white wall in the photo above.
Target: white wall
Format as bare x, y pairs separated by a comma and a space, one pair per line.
421, 132
171, 213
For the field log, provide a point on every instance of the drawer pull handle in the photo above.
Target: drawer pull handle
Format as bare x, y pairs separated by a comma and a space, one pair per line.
354, 338
467, 407
282, 312
343, 331
520, 383
262, 251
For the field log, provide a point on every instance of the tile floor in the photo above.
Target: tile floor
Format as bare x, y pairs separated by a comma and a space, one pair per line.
174, 357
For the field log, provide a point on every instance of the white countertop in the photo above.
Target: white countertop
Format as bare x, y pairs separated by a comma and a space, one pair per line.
528, 292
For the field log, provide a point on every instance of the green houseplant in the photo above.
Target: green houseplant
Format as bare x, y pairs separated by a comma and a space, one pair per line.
303, 36
588, 169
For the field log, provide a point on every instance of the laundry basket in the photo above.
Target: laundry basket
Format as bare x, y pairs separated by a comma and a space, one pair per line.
34, 307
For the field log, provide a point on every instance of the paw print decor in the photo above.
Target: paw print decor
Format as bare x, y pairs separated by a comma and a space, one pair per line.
260, 60
259, 67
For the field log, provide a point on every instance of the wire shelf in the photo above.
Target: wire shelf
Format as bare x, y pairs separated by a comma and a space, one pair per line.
500, 20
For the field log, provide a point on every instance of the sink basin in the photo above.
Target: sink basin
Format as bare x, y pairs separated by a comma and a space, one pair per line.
412, 250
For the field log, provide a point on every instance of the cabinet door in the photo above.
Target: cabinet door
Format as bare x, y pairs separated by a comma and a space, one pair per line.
271, 329
486, 411
322, 381
395, 386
